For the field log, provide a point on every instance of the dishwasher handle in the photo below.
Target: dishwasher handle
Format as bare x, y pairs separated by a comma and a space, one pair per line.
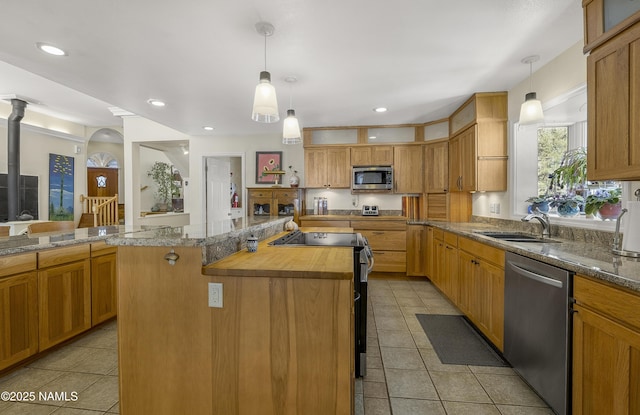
534, 276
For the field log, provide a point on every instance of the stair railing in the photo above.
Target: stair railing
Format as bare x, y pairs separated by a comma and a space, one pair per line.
103, 208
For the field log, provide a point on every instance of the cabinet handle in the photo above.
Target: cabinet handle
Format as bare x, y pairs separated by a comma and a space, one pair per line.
171, 257
378, 232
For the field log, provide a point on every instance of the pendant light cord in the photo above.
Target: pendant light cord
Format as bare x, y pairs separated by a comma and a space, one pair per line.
265, 52
530, 75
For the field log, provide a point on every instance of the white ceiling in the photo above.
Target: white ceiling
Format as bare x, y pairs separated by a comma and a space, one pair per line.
419, 58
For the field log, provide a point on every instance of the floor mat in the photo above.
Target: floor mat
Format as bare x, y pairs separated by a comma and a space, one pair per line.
456, 342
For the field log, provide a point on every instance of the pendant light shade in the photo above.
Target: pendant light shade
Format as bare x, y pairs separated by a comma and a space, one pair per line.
265, 102
291, 126
291, 129
531, 109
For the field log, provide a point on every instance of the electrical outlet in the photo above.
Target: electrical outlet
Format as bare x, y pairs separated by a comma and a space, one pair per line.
497, 208
492, 208
215, 294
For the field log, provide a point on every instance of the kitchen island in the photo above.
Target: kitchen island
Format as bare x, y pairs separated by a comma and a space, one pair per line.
281, 342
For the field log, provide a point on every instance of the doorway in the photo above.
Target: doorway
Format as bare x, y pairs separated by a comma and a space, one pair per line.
224, 177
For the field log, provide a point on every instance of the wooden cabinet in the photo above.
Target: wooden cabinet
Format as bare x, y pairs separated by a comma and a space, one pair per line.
417, 250
327, 167
481, 288
613, 98
276, 202
64, 293
478, 145
372, 155
407, 169
388, 241
445, 266
104, 283
436, 167
604, 19
19, 308
606, 349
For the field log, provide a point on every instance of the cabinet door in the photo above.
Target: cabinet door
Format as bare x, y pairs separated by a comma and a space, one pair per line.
613, 99
338, 167
490, 280
438, 265
416, 250
451, 285
455, 172
104, 288
407, 169
64, 298
18, 318
468, 159
431, 255
436, 167
315, 167
467, 265
381, 155
361, 156
606, 365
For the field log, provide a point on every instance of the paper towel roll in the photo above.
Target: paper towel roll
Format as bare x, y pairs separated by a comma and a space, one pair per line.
631, 219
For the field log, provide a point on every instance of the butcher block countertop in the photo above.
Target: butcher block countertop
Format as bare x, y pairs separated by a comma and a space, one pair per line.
286, 262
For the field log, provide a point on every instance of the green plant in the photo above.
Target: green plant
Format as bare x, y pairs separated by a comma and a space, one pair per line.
572, 173
539, 199
572, 200
161, 174
601, 196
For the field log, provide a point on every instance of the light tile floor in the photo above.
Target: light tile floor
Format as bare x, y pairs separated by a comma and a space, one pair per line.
86, 370
404, 374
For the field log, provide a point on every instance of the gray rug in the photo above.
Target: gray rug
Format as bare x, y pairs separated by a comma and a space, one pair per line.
456, 342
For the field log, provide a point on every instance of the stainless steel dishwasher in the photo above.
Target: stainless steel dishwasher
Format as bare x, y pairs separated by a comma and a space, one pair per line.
537, 327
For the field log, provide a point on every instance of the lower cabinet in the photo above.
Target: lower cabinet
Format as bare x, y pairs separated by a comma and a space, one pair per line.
64, 293
104, 283
388, 241
18, 308
481, 289
416, 248
606, 349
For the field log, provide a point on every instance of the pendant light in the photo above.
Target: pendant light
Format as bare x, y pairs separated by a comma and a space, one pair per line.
291, 127
265, 103
531, 109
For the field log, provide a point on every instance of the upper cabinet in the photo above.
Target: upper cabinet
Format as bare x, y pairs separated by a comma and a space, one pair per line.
604, 19
372, 155
613, 70
436, 161
327, 167
478, 144
407, 169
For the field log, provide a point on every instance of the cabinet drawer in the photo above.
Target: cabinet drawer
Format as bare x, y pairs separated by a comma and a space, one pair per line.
396, 225
438, 234
101, 248
614, 302
282, 194
450, 239
389, 261
480, 250
386, 240
15, 264
261, 193
63, 255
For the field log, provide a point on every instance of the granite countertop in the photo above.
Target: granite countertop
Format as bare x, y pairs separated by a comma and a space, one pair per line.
584, 258
200, 235
356, 215
24, 243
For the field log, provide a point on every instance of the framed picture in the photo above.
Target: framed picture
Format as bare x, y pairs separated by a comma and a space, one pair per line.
268, 161
60, 187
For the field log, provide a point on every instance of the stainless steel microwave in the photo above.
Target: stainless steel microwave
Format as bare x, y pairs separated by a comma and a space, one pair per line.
372, 178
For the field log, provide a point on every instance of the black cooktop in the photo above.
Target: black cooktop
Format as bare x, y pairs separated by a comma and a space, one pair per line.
300, 238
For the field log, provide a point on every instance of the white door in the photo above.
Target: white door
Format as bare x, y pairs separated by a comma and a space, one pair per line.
218, 170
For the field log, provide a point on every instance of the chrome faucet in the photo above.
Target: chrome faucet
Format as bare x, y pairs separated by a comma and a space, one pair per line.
543, 218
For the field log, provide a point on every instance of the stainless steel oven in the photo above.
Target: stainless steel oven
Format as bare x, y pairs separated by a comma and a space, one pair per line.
372, 178
362, 265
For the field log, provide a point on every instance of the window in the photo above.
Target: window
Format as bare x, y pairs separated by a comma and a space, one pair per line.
552, 145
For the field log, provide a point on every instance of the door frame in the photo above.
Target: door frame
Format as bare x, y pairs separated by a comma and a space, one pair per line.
204, 187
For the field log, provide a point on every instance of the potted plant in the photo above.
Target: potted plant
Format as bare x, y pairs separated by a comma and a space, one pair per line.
571, 176
540, 203
161, 174
567, 205
605, 203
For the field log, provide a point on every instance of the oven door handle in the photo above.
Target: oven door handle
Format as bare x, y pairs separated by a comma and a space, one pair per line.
369, 254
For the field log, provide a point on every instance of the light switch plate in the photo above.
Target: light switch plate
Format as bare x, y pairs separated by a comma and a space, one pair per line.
215, 294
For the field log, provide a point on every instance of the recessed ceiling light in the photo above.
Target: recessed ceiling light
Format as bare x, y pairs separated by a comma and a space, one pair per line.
208, 128
380, 109
50, 49
156, 102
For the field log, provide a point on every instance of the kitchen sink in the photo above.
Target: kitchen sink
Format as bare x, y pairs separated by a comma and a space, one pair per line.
516, 237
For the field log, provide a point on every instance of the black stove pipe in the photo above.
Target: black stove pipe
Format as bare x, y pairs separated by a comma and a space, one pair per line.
13, 153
